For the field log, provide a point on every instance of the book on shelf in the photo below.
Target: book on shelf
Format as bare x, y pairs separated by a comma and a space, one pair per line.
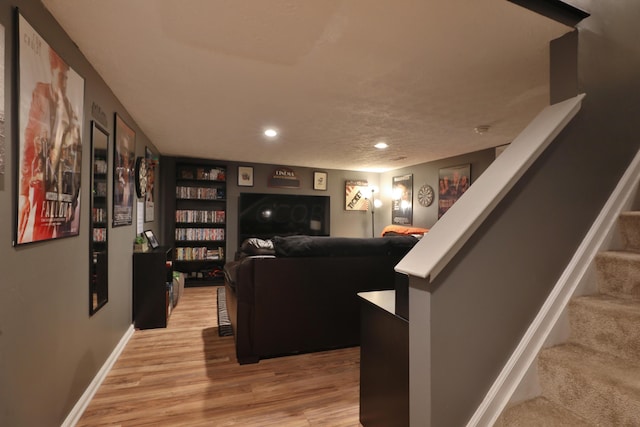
99, 214
203, 174
190, 215
199, 234
101, 189
200, 193
99, 235
199, 254
100, 166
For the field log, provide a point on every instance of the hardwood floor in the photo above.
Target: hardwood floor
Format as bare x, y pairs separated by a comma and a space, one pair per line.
186, 375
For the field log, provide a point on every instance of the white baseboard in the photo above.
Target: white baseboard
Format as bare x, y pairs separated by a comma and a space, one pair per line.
77, 411
527, 351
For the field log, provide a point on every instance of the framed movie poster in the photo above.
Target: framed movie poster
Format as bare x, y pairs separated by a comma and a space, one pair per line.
123, 173
149, 202
49, 141
452, 183
354, 195
2, 141
402, 206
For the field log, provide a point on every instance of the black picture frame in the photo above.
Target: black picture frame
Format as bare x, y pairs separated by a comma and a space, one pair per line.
123, 173
453, 182
151, 238
245, 176
149, 200
320, 180
402, 200
48, 152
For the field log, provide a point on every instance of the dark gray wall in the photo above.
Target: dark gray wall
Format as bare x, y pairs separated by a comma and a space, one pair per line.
343, 223
427, 173
50, 349
482, 303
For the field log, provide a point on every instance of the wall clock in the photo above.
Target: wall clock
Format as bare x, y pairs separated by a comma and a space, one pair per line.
425, 195
141, 177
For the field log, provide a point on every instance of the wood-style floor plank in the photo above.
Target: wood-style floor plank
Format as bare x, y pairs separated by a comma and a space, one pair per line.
186, 375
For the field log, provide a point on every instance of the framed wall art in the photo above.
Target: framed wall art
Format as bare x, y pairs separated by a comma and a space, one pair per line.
123, 173
49, 141
402, 206
245, 176
149, 201
452, 183
2, 141
354, 195
320, 180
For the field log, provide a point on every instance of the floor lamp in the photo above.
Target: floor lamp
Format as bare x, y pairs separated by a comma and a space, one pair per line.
373, 204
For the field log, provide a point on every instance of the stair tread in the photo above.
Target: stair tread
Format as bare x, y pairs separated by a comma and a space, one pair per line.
606, 324
603, 367
602, 388
539, 412
619, 253
609, 302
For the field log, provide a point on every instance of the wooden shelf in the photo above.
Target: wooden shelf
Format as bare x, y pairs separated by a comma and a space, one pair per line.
197, 189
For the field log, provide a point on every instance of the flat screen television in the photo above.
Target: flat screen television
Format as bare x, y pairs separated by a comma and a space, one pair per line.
268, 215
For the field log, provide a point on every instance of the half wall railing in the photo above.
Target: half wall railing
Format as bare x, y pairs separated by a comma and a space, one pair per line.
429, 341
447, 236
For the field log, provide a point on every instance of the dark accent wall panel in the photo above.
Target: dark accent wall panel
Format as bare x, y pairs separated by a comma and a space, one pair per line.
563, 81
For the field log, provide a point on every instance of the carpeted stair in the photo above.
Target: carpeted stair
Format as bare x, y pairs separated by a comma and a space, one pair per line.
594, 379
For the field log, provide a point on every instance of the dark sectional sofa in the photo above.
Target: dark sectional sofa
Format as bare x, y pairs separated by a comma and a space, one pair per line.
298, 294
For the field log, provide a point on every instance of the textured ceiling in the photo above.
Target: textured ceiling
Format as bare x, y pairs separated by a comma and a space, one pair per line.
203, 78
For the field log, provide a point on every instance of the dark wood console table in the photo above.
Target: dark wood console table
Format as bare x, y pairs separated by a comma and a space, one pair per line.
152, 278
384, 362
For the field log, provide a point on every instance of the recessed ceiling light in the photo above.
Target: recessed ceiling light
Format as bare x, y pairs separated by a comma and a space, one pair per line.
381, 145
271, 133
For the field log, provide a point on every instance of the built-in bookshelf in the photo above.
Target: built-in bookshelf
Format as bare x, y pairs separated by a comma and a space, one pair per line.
199, 230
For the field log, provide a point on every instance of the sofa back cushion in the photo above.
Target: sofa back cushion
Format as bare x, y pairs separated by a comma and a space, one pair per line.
312, 246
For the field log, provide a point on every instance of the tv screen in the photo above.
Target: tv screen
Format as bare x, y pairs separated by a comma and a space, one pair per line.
268, 215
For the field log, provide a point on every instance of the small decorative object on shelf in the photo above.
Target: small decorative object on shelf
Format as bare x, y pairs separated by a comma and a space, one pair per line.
140, 244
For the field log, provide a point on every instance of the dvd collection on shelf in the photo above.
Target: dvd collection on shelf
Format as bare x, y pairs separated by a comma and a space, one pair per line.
199, 253
199, 233
99, 215
200, 193
194, 216
203, 174
100, 166
99, 235
200, 220
101, 189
